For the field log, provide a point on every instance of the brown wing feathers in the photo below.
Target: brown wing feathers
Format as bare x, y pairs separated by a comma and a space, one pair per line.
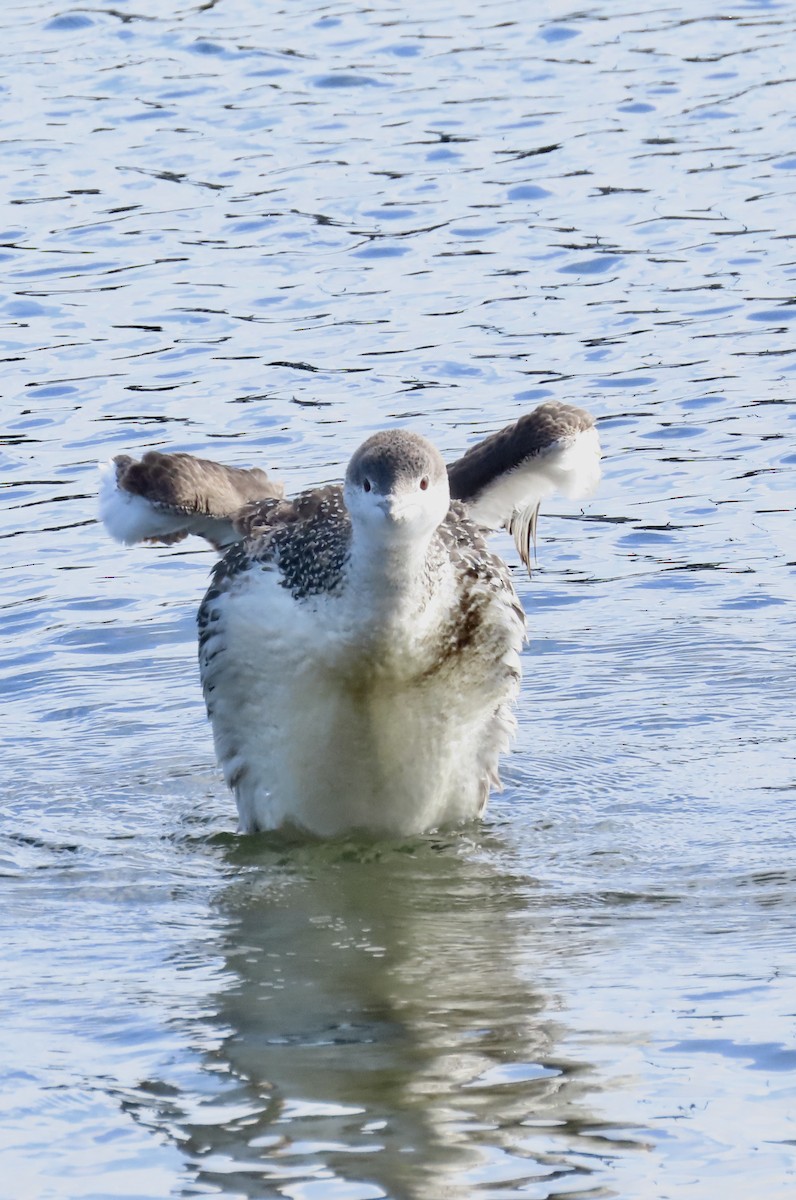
186, 484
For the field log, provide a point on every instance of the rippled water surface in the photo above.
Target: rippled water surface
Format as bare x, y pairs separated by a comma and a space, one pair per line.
258, 232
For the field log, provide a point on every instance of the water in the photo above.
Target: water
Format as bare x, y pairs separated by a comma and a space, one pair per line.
258, 233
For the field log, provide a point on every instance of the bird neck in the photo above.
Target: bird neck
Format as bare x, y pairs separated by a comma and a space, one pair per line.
393, 572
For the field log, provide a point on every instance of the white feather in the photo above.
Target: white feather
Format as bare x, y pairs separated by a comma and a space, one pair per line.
128, 518
570, 467
318, 728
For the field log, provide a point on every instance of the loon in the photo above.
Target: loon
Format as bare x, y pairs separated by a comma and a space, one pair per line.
359, 645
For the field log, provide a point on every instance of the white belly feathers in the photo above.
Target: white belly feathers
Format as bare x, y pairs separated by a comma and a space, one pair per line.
328, 721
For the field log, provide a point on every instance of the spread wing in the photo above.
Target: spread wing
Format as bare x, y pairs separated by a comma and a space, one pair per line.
503, 480
164, 497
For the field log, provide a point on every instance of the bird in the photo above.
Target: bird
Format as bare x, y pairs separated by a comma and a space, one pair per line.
360, 644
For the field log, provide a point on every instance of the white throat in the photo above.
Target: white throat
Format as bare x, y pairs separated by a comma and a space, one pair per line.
390, 540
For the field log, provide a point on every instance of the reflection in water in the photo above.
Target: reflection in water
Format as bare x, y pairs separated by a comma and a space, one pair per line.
380, 1023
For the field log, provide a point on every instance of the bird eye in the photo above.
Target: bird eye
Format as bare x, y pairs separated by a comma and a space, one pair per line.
366, 485
424, 483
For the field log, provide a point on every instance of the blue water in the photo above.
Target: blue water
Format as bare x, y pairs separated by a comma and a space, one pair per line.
259, 233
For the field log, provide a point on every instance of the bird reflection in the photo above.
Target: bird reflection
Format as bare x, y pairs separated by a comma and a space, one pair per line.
379, 1031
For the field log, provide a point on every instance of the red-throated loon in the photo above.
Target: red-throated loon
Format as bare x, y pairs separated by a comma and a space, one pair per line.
360, 645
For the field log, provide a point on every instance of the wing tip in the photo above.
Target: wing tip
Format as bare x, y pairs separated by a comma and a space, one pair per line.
578, 464
127, 517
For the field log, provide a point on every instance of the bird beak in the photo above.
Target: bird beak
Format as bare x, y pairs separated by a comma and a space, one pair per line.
393, 507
